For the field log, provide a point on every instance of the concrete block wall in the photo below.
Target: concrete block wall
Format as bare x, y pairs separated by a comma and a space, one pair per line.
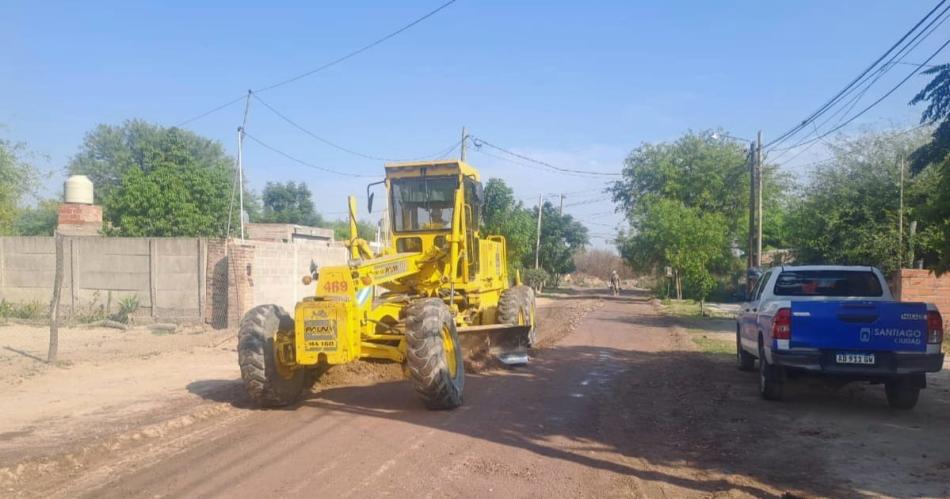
166, 275
278, 269
244, 274
925, 286
27, 269
173, 278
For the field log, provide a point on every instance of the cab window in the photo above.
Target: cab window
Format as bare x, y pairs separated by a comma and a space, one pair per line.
423, 203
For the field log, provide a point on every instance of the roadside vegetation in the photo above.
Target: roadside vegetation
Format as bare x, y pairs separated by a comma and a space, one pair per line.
686, 203
711, 345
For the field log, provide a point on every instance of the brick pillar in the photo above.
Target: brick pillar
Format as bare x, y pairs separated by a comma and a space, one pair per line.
240, 281
77, 219
216, 285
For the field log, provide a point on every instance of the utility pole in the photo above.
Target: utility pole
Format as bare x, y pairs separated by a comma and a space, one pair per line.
758, 202
464, 140
240, 165
750, 255
240, 161
900, 218
537, 245
561, 209
912, 231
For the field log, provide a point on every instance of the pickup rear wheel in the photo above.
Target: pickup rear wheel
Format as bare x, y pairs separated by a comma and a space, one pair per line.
770, 378
744, 360
902, 393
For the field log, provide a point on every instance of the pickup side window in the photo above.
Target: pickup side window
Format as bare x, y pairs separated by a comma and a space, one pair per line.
757, 293
863, 283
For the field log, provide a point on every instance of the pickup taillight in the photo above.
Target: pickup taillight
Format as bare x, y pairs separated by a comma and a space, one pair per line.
934, 327
782, 324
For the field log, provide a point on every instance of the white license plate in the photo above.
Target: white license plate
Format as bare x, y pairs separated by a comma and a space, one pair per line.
855, 358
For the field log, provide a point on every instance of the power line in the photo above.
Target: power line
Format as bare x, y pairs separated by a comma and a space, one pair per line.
305, 163
357, 51
588, 201
898, 57
876, 102
831, 102
478, 142
825, 160
339, 147
211, 111
327, 65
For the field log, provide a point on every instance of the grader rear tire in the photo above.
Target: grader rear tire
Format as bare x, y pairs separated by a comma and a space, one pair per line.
517, 307
434, 354
263, 379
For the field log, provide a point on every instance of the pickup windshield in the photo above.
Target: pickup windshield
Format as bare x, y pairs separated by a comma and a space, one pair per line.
424, 203
828, 283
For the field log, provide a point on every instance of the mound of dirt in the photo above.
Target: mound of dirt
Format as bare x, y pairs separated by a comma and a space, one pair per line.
362, 372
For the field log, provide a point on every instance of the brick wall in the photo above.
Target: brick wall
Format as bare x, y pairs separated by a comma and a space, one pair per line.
923, 285
79, 219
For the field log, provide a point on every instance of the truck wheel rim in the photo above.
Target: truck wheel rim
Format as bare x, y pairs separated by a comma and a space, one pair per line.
448, 346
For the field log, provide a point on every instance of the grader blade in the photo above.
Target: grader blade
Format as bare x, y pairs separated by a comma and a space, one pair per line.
507, 343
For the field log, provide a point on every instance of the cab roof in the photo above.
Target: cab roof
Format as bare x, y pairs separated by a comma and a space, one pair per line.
438, 167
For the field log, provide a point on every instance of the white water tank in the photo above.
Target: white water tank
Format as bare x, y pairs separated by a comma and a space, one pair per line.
78, 190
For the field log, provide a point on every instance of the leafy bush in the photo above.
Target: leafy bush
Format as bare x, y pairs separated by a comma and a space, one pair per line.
127, 307
31, 311
536, 278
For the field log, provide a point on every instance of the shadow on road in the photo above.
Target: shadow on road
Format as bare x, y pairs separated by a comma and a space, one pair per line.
676, 417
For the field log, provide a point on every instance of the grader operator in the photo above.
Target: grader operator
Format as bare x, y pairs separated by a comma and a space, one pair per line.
437, 281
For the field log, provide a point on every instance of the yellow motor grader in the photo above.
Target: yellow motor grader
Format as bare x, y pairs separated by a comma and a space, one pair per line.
436, 280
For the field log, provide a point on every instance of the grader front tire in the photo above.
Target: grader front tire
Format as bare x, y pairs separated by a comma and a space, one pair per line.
266, 382
516, 307
434, 354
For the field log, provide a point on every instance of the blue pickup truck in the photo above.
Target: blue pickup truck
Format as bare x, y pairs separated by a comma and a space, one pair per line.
840, 322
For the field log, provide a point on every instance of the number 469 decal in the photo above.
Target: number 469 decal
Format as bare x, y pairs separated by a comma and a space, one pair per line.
336, 287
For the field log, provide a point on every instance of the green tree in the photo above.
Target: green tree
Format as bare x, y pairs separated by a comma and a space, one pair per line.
108, 152
341, 230
504, 215
40, 220
289, 203
561, 238
698, 170
935, 155
848, 211
17, 179
692, 242
155, 181
708, 173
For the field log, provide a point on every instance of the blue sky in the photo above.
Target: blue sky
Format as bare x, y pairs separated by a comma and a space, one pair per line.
578, 84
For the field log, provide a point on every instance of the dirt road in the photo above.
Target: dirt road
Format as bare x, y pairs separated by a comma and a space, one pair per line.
622, 405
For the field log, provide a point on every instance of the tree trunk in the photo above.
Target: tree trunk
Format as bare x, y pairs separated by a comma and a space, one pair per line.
54, 304
679, 285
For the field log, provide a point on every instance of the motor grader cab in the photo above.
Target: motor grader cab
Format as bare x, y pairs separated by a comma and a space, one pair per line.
436, 294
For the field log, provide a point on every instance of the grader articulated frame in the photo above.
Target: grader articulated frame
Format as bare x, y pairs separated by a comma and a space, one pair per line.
437, 280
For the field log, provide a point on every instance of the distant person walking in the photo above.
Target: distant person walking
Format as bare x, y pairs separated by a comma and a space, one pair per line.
614, 283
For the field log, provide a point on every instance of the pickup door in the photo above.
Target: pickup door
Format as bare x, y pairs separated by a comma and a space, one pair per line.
859, 326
